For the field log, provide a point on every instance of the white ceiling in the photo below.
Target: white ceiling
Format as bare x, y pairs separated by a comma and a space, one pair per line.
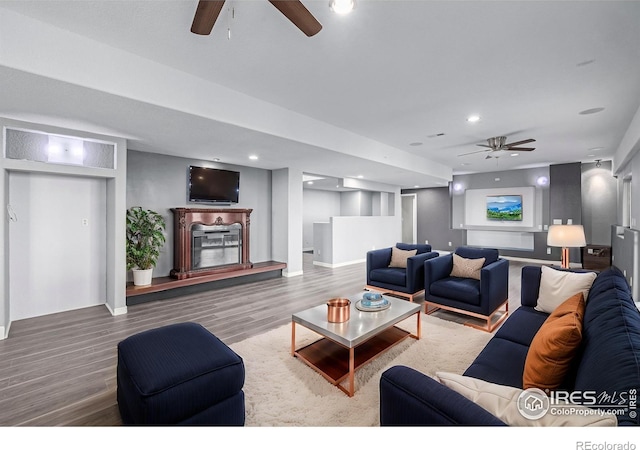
390, 74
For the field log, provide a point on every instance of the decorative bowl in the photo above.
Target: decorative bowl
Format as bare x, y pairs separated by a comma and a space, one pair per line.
372, 296
338, 310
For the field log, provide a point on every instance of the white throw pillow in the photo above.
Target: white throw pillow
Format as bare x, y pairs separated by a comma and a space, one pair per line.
502, 402
558, 285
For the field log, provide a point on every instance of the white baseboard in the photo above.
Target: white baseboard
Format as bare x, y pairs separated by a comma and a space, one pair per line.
287, 274
333, 266
118, 311
4, 333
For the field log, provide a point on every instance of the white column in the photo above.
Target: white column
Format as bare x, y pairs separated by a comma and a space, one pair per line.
286, 219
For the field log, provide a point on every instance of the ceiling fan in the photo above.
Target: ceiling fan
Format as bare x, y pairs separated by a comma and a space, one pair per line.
208, 11
499, 143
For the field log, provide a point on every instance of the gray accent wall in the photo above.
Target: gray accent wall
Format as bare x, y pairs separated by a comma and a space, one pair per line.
434, 219
565, 200
159, 182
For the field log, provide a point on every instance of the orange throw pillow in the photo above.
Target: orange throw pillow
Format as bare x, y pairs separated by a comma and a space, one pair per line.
554, 345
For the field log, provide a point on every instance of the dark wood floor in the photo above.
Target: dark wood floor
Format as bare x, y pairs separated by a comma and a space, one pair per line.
60, 369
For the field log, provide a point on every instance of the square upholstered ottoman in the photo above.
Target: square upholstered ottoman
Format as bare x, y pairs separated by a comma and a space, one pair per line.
179, 374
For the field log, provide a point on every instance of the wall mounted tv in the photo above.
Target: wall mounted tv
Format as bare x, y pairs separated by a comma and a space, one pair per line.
207, 185
504, 207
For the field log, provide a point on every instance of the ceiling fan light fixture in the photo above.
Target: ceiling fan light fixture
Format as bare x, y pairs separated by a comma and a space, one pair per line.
342, 6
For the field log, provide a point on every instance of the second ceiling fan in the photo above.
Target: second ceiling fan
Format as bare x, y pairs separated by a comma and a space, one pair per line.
208, 11
499, 143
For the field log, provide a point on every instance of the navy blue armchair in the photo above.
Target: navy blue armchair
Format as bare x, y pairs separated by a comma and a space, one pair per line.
481, 298
407, 282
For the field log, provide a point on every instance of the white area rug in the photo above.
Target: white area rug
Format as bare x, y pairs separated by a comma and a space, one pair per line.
281, 390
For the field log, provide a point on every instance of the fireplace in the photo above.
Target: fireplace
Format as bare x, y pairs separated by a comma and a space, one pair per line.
215, 245
210, 241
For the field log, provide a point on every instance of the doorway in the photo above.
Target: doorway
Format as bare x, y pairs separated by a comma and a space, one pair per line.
409, 218
57, 243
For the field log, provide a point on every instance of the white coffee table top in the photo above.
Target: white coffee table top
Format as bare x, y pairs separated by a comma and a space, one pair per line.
361, 325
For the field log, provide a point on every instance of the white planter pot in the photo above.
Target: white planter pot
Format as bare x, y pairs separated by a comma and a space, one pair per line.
142, 277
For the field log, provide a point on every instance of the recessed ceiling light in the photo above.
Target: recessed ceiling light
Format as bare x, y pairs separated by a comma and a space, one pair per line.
473, 118
342, 6
416, 186
309, 182
216, 159
465, 164
591, 111
360, 176
253, 157
596, 149
415, 144
515, 154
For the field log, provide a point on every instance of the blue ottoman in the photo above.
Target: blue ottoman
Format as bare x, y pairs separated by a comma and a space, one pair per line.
179, 374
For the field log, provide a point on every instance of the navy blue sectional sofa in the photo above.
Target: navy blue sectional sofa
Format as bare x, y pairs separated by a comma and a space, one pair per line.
608, 360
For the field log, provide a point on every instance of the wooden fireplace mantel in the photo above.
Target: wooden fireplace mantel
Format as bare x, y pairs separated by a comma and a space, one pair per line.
185, 218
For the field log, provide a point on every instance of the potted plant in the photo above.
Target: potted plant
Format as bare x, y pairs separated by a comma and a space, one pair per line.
145, 238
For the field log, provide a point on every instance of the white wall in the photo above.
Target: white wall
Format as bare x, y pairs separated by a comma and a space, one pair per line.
352, 237
56, 263
318, 206
476, 208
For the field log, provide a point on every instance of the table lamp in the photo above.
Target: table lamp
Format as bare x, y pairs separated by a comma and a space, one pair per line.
566, 236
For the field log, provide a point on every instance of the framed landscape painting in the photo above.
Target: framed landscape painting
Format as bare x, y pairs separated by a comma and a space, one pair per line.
504, 207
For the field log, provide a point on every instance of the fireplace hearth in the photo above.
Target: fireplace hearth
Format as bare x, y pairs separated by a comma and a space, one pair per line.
209, 241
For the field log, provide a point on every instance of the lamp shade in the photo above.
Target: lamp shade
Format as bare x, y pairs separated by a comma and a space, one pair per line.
566, 236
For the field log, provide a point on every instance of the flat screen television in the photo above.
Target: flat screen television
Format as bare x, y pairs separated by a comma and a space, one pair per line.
504, 207
207, 185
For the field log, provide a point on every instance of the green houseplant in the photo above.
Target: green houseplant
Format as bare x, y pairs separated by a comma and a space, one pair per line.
145, 239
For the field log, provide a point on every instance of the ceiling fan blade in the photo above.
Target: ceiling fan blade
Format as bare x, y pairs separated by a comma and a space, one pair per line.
207, 13
484, 145
300, 16
472, 153
526, 141
523, 149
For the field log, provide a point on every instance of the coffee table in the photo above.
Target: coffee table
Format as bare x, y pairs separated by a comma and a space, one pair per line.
347, 346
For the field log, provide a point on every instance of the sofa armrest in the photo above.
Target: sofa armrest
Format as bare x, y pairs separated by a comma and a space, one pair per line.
377, 259
408, 397
436, 269
530, 285
494, 283
415, 270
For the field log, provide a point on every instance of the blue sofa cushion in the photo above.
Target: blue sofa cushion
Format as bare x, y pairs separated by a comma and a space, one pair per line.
522, 326
390, 275
610, 362
502, 360
465, 290
490, 255
421, 248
